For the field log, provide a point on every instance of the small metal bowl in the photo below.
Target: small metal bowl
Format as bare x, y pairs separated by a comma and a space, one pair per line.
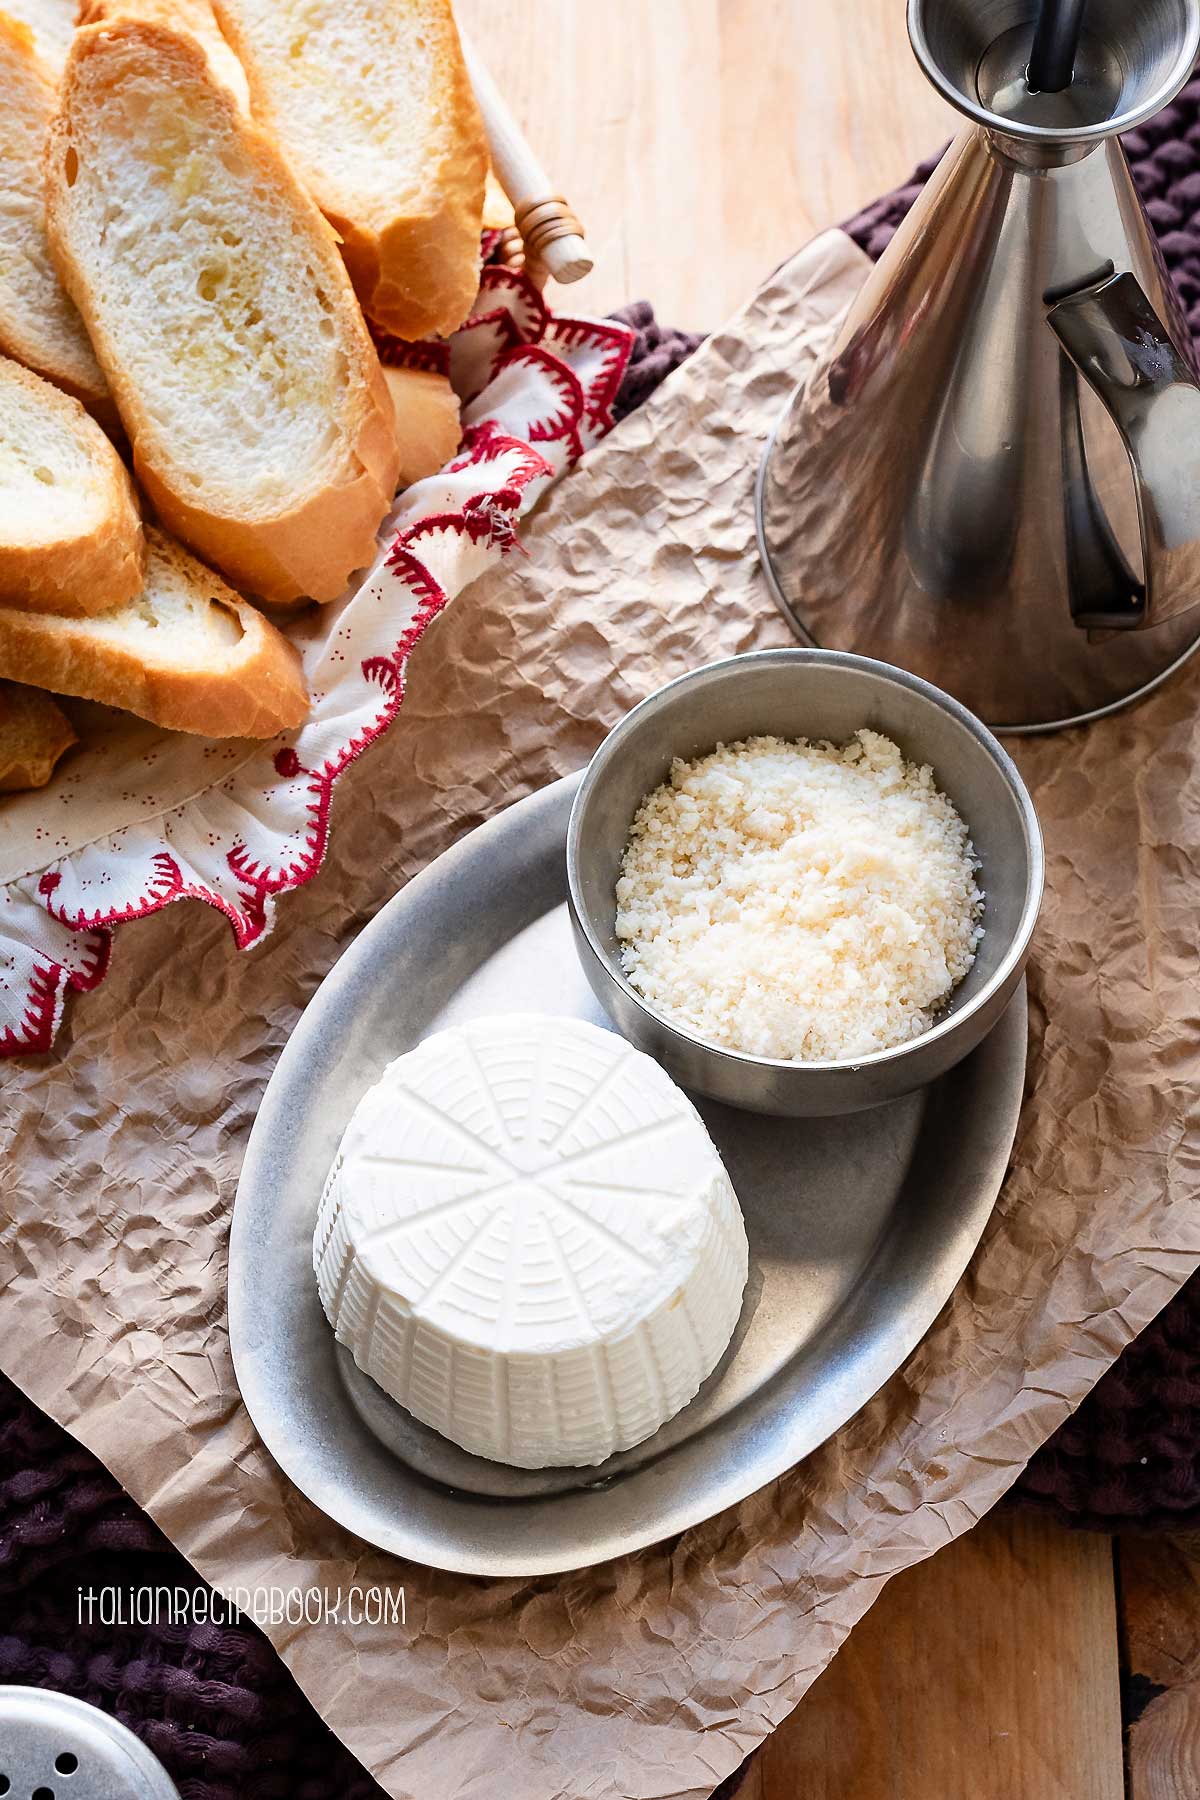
809, 694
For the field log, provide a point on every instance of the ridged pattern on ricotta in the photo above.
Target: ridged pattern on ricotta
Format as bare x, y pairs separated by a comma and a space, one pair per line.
529, 1240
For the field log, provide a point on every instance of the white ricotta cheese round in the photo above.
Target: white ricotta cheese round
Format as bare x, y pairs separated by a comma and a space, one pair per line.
529, 1240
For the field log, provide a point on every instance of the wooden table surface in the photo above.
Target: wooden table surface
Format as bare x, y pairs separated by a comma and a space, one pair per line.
702, 141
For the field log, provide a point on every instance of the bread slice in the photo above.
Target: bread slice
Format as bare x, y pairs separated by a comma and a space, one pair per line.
52, 25
70, 535
38, 324
222, 316
498, 214
196, 17
372, 103
34, 733
428, 420
187, 653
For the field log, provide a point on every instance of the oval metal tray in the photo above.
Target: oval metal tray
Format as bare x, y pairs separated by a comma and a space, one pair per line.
859, 1228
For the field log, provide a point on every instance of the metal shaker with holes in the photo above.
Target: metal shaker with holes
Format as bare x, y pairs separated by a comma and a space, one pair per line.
53, 1747
992, 476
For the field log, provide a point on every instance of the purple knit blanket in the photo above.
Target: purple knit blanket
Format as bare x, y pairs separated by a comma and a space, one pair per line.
215, 1703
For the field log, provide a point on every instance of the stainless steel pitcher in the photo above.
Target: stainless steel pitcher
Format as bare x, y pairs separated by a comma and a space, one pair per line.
992, 477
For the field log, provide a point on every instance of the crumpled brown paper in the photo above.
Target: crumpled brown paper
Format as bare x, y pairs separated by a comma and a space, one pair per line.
655, 1675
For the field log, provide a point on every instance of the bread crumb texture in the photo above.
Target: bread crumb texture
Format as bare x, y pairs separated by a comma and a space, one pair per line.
221, 308
38, 324
50, 490
356, 91
809, 902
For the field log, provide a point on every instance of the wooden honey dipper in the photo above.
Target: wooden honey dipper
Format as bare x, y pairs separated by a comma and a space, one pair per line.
551, 235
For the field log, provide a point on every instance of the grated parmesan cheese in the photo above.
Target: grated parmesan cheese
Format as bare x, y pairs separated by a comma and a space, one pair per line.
804, 901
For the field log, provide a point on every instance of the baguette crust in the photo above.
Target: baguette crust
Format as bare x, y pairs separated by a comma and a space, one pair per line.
38, 324
86, 554
310, 552
414, 258
34, 733
428, 421
253, 689
306, 543
498, 214
194, 16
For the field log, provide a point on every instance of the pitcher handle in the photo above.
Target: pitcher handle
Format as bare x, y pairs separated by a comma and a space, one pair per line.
1125, 353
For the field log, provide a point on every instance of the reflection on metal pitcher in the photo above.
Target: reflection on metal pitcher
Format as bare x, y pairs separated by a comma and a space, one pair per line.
993, 475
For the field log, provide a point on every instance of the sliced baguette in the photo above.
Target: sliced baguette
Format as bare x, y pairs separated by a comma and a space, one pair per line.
195, 17
372, 103
34, 733
52, 24
38, 324
498, 214
428, 420
70, 535
261, 425
187, 653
